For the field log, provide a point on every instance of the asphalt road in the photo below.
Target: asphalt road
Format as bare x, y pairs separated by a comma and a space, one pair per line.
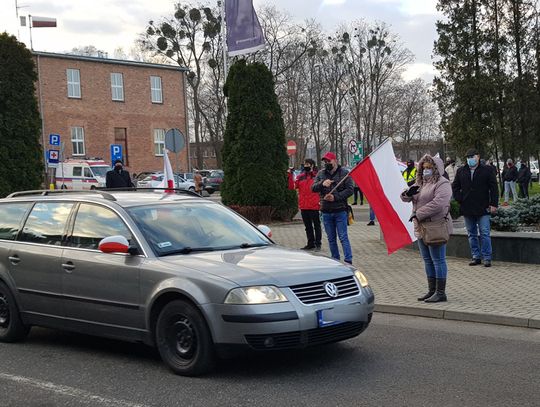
398, 361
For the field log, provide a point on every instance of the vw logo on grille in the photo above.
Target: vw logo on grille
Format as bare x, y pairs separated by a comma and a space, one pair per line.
331, 289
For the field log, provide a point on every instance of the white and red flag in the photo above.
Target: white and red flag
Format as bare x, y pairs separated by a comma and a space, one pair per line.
379, 178
168, 175
37, 22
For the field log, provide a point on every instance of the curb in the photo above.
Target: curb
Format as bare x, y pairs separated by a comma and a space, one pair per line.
459, 315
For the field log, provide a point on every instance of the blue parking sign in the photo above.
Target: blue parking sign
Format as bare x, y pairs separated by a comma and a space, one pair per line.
54, 139
116, 152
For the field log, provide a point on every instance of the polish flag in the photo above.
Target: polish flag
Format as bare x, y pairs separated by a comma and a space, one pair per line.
42, 22
168, 175
379, 178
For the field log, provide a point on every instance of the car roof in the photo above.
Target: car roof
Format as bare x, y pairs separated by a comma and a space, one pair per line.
122, 198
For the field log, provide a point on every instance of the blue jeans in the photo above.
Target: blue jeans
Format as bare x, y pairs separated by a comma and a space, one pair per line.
473, 223
434, 259
371, 215
335, 225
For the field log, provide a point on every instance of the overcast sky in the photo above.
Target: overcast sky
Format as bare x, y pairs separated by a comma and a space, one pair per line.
108, 24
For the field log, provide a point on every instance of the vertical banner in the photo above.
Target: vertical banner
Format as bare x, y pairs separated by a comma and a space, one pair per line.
244, 32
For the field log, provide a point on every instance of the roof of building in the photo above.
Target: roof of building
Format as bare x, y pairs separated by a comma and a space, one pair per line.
109, 61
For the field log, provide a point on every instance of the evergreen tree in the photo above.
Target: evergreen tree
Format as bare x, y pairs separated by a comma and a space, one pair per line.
254, 155
20, 150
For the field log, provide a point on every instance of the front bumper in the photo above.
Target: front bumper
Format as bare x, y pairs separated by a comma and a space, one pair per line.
289, 325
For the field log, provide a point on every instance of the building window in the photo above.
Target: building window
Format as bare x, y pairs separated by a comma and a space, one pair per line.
159, 142
77, 140
155, 87
117, 87
74, 83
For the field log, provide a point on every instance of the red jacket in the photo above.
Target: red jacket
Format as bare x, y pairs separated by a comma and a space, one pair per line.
307, 200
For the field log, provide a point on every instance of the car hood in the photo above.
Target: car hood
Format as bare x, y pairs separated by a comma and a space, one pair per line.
271, 265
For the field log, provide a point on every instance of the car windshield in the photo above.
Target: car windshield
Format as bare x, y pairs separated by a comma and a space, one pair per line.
216, 174
182, 228
100, 171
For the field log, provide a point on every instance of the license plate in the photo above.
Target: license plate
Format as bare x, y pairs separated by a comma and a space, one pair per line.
339, 314
327, 317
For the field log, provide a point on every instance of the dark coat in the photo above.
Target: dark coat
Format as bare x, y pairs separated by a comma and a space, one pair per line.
510, 173
524, 175
477, 195
115, 179
344, 191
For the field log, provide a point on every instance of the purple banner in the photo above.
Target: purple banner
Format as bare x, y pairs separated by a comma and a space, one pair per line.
244, 32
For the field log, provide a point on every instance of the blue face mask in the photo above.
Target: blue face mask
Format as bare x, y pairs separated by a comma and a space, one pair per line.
471, 161
427, 173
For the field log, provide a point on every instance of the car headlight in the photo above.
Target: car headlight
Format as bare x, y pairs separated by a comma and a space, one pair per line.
361, 278
255, 295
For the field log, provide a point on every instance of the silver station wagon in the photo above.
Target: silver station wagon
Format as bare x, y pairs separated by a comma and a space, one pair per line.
174, 271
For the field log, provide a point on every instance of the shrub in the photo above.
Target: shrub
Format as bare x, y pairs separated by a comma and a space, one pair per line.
454, 209
255, 214
528, 210
505, 220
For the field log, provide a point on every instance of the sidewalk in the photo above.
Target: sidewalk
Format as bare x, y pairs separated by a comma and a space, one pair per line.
505, 294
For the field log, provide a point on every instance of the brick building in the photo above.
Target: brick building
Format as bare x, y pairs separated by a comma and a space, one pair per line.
95, 102
208, 152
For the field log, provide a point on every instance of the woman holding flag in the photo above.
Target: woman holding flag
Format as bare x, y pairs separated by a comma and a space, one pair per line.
430, 196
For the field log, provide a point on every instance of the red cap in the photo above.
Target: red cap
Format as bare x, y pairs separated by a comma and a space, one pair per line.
329, 156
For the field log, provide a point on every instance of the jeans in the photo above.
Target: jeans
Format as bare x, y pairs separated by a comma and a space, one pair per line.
434, 259
356, 192
312, 223
510, 185
371, 215
473, 223
335, 225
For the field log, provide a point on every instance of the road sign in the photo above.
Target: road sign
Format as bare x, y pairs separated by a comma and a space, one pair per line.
174, 140
353, 146
53, 157
116, 152
291, 147
54, 139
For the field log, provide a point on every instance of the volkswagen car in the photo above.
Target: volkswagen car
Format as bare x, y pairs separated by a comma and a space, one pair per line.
175, 271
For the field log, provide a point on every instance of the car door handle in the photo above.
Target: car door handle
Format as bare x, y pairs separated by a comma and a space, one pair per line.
69, 266
14, 259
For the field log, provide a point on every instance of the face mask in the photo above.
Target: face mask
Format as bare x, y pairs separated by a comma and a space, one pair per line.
118, 168
329, 166
307, 169
471, 161
427, 173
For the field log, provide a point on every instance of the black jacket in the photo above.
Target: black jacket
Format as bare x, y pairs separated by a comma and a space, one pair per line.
476, 195
510, 174
344, 191
524, 175
115, 179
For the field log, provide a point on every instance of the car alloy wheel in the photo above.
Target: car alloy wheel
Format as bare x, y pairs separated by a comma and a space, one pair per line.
4, 311
184, 340
11, 327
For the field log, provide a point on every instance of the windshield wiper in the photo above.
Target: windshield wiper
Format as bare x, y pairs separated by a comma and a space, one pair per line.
247, 245
187, 250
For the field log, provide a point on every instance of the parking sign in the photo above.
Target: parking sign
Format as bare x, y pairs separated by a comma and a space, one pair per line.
116, 152
54, 139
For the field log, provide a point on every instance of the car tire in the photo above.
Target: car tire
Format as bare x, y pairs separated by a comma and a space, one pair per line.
183, 339
12, 328
191, 189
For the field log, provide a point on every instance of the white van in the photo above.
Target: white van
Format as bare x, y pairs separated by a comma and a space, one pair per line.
81, 173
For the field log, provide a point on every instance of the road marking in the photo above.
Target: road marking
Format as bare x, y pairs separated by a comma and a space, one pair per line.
69, 391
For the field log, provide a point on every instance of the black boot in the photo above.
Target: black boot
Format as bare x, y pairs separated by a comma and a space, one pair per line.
431, 289
440, 295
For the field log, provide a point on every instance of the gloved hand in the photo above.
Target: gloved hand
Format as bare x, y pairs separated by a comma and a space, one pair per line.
413, 190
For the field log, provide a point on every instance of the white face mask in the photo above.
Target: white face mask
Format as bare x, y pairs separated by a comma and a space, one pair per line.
427, 172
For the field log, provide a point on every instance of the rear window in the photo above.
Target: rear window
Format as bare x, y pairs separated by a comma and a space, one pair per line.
46, 223
11, 216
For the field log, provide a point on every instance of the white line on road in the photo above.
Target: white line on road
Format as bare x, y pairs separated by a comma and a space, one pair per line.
69, 391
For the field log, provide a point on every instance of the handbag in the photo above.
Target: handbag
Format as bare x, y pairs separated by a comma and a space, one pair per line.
434, 233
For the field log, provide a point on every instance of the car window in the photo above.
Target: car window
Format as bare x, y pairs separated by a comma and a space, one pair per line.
11, 216
88, 173
46, 223
94, 223
172, 227
77, 171
100, 171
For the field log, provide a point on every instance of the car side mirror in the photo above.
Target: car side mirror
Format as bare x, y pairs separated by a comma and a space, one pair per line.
114, 244
266, 230
134, 250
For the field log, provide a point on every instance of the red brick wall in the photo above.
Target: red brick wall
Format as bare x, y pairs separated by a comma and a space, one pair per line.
98, 114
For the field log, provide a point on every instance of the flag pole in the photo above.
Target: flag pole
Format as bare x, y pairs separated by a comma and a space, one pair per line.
30, 27
224, 41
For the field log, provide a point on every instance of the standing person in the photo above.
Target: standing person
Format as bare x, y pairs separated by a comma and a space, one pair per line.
308, 202
358, 191
430, 196
475, 189
334, 205
134, 180
524, 179
409, 175
371, 217
509, 175
198, 181
451, 169
118, 177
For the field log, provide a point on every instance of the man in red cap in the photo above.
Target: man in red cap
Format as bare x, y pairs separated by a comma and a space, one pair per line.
334, 204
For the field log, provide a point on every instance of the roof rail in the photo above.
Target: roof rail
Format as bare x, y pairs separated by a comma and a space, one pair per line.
147, 189
47, 192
